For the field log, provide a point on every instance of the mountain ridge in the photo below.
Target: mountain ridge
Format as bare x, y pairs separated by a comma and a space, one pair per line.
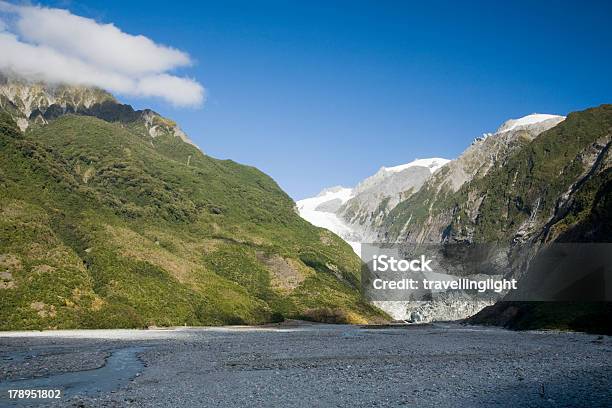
345, 211
480, 197
37, 103
104, 225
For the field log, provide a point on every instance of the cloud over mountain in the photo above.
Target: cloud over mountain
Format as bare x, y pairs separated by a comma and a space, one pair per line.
55, 45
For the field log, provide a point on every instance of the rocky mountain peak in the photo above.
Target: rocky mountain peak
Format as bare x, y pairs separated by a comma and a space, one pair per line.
531, 121
433, 164
31, 102
491, 149
362, 210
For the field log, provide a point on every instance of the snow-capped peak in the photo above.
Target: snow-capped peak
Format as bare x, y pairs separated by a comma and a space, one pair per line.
330, 193
432, 164
532, 119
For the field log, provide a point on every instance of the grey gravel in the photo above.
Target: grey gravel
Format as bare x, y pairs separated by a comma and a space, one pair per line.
306, 365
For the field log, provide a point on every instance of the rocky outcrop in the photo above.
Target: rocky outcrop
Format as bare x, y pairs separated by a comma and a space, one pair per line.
33, 103
426, 215
377, 195
356, 214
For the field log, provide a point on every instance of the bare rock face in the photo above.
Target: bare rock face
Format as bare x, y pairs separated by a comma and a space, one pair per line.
547, 182
31, 102
425, 217
377, 195
7, 281
356, 214
286, 274
35, 103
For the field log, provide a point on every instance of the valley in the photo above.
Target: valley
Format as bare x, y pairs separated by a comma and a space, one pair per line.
301, 364
537, 180
135, 217
163, 244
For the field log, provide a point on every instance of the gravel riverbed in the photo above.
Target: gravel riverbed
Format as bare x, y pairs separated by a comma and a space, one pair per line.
304, 365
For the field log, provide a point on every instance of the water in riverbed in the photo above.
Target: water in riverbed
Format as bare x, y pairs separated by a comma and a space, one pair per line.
121, 366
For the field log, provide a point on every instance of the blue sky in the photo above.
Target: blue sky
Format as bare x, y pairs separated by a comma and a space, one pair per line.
325, 93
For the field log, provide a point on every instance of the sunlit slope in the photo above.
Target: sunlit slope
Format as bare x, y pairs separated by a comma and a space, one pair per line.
104, 226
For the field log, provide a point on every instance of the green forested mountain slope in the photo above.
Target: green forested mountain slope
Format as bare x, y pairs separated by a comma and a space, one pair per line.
553, 188
108, 224
546, 187
568, 175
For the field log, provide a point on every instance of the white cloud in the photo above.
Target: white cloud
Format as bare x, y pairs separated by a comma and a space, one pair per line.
180, 90
57, 46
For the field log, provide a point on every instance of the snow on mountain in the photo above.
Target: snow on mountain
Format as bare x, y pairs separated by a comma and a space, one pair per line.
365, 213
528, 120
337, 192
432, 164
356, 214
330, 208
320, 211
391, 180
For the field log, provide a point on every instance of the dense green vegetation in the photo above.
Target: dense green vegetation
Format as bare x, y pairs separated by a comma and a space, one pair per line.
103, 226
537, 176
